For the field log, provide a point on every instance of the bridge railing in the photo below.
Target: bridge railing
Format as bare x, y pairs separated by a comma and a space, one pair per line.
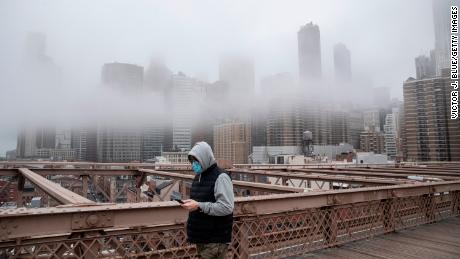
270, 226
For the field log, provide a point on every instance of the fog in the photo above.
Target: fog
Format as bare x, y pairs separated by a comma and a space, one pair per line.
383, 37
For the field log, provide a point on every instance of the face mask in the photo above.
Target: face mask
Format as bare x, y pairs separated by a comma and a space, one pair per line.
196, 167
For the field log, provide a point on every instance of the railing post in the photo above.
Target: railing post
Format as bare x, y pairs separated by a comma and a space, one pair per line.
84, 185
19, 198
113, 188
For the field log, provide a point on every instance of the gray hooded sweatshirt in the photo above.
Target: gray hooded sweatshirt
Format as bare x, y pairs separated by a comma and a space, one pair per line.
223, 188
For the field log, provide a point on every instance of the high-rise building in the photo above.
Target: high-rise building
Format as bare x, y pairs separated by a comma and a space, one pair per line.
372, 141
285, 121
84, 142
282, 121
38, 71
355, 125
119, 144
116, 143
442, 19
430, 134
157, 76
122, 76
36, 142
186, 96
46, 137
309, 53
342, 63
63, 138
232, 142
26, 147
425, 67
259, 126
152, 140
371, 119
339, 128
391, 133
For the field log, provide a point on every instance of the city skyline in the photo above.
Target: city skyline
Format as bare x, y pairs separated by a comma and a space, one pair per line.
326, 46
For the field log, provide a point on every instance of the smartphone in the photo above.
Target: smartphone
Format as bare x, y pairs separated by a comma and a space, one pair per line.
179, 200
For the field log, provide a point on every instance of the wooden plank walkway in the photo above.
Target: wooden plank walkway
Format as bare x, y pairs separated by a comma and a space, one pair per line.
437, 240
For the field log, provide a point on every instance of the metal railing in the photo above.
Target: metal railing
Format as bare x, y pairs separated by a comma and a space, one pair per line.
270, 226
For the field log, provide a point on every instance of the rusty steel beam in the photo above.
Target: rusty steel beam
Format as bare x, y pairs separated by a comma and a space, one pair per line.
455, 169
302, 166
371, 172
54, 190
442, 168
21, 222
238, 184
366, 174
452, 171
73, 171
329, 178
118, 172
394, 170
81, 172
8, 172
87, 164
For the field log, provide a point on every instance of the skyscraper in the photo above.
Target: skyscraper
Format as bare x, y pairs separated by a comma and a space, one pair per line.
425, 67
186, 95
126, 77
441, 19
391, 131
355, 125
429, 133
285, 122
152, 140
120, 143
84, 142
157, 76
232, 142
63, 138
372, 141
26, 147
342, 63
41, 73
309, 53
371, 120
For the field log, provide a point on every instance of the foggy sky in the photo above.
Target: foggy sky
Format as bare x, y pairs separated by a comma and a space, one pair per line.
383, 37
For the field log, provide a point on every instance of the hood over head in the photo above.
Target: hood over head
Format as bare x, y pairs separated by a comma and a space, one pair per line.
203, 153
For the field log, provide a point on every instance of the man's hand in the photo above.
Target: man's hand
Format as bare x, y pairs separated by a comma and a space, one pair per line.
190, 205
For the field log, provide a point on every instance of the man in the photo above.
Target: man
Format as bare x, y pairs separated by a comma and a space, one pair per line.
210, 206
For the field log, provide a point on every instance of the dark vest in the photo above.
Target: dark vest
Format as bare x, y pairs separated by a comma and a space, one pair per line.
203, 228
